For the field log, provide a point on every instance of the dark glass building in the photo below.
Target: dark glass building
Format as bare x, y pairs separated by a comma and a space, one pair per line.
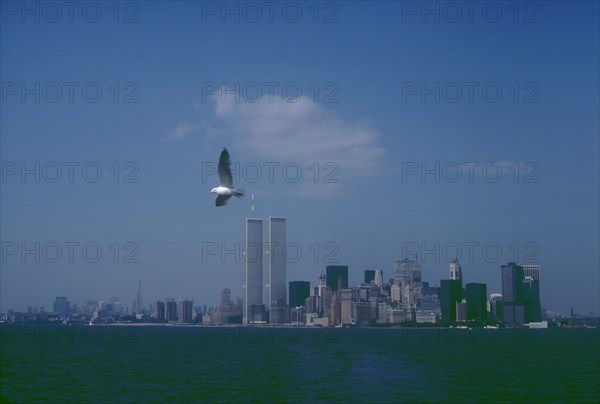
512, 292
450, 294
476, 295
299, 291
531, 300
369, 275
333, 272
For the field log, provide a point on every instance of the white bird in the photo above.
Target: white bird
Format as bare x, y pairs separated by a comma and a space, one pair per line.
225, 190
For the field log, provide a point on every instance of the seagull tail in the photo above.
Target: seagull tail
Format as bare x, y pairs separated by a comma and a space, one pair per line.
239, 192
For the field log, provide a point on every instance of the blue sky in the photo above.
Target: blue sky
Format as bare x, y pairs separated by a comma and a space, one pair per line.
372, 122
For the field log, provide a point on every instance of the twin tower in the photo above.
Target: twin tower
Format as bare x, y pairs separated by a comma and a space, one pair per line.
272, 253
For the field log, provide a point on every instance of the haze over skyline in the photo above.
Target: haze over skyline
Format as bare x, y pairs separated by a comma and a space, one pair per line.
385, 97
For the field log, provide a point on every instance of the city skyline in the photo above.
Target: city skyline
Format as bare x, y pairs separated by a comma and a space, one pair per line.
518, 305
470, 139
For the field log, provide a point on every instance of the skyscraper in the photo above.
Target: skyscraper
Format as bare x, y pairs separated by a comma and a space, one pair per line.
299, 291
455, 270
369, 275
379, 277
476, 295
139, 304
225, 309
512, 292
407, 271
496, 310
253, 309
159, 310
62, 307
450, 294
184, 310
531, 300
532, 270
171, 310
333, 272
276, 268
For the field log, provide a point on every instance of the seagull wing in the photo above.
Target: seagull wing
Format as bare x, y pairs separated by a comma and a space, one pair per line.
222, 200
225, 170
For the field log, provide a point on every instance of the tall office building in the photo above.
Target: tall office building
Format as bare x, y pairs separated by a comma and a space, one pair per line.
450, 295
159, 310
531, 300
322, 284
407, 271
276, 286
253, 260
171, 310
184, 311
496, 310
62, 307
532, 270
512, 292
455, 270
139, 303
476, 296
346, 314
333, 272
299, 291
379, 277
369, 275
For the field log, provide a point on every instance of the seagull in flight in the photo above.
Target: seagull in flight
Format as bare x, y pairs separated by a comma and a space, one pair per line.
225, 189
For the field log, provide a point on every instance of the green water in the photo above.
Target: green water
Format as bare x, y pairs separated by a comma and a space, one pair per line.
141, 364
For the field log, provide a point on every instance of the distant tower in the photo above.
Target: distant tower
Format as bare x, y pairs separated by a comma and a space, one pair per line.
369, 276
532, 270
299, 291
139, 304
379, 277
276, 269
253, 309
455, 271
322, 283
513, 303
333, 272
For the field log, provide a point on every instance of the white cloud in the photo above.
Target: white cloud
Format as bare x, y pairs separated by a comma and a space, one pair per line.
300, 131
182, 130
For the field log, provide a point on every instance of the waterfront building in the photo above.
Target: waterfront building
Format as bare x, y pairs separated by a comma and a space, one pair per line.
171, 310
276, 286
185, 311
253, 266
476, 298
450, 294
513, 308
62, 306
